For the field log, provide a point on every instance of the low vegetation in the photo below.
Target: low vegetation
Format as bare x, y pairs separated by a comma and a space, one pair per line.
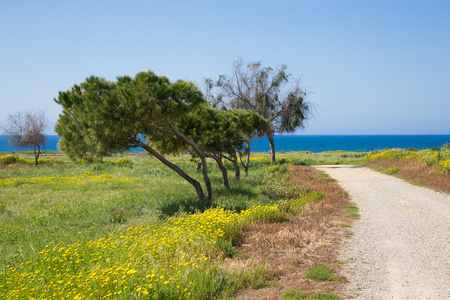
293, 294
430, 168
438, 157
321, 273
129, 228
353, 211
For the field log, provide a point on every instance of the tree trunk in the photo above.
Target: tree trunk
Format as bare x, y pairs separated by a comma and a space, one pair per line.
195, 183
222, 168
272, 148
237, 169
246, 164
235, 165
36, 154
200, 154
198, 167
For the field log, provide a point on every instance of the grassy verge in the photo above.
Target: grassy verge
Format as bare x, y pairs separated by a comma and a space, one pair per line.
430, 168
130, 228
308, 238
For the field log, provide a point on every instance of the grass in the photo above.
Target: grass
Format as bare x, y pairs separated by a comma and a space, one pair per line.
429, 168
325, 177
131, 228
352, 211
293, 294
439, 157
389, 171
321, 273
309, 158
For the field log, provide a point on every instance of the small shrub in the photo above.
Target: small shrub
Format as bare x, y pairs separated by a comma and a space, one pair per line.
122, 162
298, 162
281, 161
11, 159
392, 171
321, 273
226, 248
445, 147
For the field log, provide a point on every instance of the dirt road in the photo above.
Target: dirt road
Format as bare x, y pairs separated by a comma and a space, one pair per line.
401, 244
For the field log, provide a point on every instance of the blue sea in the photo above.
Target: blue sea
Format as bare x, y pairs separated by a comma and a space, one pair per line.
313, 143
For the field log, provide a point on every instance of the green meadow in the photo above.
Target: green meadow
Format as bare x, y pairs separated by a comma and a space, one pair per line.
130, 228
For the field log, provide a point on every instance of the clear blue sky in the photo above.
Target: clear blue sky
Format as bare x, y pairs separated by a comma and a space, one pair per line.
372, 67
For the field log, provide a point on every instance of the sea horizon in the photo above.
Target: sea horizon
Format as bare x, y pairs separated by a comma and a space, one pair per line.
308, 142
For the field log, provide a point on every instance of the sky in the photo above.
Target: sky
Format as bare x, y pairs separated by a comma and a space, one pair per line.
369, 66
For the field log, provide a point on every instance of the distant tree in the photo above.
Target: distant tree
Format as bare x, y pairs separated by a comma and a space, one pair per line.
27, 129
266, 91
100, 116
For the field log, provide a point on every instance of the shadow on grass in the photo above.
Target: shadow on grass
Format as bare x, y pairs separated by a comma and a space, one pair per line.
236, 199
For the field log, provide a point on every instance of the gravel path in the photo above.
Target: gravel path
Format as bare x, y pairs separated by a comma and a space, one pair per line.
401, 244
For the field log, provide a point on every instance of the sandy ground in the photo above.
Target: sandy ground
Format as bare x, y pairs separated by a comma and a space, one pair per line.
401, 244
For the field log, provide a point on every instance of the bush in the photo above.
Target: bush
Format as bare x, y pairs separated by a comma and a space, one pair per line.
11, 159
446, 147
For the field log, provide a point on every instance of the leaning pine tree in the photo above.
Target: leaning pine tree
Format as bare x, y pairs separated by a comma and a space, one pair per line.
220, 134
101, 116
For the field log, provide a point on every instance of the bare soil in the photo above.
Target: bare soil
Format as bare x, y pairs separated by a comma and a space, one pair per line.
289, 248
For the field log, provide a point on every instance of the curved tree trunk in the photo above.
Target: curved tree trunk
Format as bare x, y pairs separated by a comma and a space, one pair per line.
272, 148
234, 161
195, 183
200, 154
222, 168
246, 164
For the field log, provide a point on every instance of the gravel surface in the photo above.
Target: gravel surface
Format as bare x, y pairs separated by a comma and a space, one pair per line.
401, 244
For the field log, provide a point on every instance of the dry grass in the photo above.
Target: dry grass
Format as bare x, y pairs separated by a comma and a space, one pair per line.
290, 248
416, 172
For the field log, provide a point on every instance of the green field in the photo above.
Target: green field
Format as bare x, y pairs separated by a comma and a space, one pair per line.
131, 228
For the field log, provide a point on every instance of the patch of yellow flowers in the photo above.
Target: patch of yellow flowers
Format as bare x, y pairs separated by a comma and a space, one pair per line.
430, 157
83, 179
165, 261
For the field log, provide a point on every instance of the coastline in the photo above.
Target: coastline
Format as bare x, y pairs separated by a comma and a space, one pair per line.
312, 143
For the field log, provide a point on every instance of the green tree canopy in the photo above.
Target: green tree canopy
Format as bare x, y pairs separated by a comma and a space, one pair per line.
220, 134
100, 116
